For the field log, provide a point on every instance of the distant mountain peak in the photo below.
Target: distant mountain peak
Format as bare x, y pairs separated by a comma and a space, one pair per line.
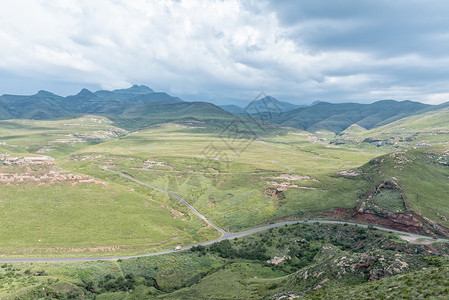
269, 98
135, 89
86, 93
280, 105
43, 93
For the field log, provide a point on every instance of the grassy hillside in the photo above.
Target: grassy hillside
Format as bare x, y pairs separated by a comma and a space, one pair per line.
43, 105
139, 107
419, 177
427, 283
50, 210
252, 183
85, 217
237, 110
5, 114
197, 114
236, 183
422, 130
337, 117
55, 138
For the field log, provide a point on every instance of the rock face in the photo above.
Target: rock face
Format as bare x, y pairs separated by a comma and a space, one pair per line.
332, 264
21, 161
286, 182
407, 221
349, 173
277, 260
38, 170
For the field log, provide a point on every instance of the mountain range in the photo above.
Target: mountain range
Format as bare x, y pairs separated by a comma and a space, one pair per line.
135, 107
337, 117
140, 106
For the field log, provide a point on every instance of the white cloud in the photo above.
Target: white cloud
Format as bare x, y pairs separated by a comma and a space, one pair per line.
194, 49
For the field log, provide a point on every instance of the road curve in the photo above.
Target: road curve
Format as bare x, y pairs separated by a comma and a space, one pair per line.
225, 235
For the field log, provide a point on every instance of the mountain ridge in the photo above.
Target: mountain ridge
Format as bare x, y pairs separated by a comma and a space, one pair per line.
336, 117
136, 101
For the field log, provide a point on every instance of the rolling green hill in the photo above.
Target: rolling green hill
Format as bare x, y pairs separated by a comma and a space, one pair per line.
237, 110
5, 114
140, 106
422, 130
337, 117
263, 105
150, 113
412, 181
43, 105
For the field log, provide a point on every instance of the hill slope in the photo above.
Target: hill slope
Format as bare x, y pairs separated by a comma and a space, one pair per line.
405, 190
425, 129
337, 117
43, 105
263, 105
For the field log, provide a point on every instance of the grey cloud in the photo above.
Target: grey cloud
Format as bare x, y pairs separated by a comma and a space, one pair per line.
225, 51
381, 27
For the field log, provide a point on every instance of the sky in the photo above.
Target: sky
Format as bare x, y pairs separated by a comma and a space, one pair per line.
229, 51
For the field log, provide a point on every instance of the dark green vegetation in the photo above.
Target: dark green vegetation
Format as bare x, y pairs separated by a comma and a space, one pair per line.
310, 260
133, 108
265, 104
140, 106
337, 117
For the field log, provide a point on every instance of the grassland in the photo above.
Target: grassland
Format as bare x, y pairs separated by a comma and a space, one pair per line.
429, 283
90, 220
259, 177
55, 137
271, 177
50, 211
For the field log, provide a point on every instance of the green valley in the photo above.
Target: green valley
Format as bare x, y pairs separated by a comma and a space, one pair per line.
135, 172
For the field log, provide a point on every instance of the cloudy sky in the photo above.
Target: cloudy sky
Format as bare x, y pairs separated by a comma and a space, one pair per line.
229, 51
